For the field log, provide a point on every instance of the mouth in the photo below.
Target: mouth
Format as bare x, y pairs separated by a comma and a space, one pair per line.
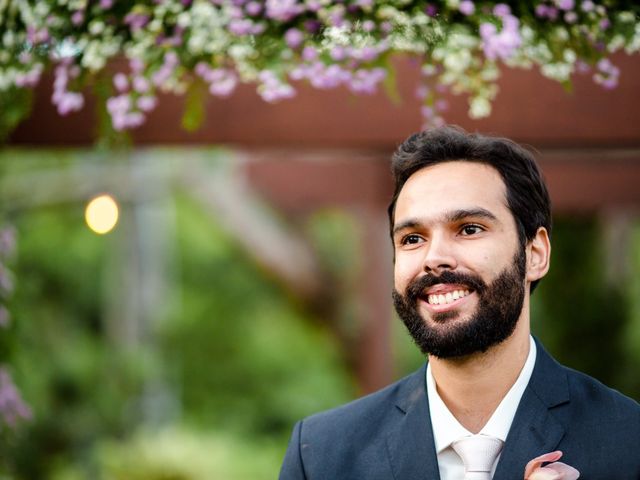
445, 296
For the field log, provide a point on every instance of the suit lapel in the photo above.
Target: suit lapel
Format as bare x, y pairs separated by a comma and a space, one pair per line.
535, 430
410, 446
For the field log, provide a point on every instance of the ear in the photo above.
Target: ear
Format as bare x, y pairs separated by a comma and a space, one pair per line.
538, 255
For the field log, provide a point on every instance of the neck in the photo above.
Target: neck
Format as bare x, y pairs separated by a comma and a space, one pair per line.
472, 387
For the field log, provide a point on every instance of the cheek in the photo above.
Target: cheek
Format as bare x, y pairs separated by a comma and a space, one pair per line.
405, 269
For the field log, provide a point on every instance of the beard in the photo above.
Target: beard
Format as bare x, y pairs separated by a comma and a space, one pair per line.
499, 307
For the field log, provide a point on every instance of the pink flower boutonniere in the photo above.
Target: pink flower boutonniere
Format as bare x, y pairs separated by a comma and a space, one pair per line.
552, 471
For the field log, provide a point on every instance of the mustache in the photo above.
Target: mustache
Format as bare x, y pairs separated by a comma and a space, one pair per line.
418, 285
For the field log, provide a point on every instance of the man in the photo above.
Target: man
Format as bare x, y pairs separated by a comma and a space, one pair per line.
470, 222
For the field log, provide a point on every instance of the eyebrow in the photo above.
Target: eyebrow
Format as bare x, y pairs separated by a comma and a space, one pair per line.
449, 217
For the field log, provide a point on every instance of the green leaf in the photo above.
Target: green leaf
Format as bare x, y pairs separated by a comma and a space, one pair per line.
194, 110
15, 106
391, 87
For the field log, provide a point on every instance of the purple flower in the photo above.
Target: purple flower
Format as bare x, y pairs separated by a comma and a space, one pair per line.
136, 21
12, 407
309, 54
140, 84
283, 10
546, 11
312, 26
36, 36
366, 81
222, 82
368, 26
136, 65
502, 10
201, 69
571, 17
607, 74
427, 112
64, 100
119, 104
313, 5
147, 103
121, 82
441, 105
106, 4
122, 117
431, 10
338, 53
77, 17
565, 4
501, 45
467, 7
25, 57
336, 17
294, 38
582, 67
241, 27
386, 27
421, 92
605, 24
430, 118
29, 78
272, 88
253, 8
587, 6
364, 4
364, 54
325, 77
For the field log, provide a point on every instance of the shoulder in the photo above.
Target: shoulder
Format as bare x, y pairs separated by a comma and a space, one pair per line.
558, 385
590, 396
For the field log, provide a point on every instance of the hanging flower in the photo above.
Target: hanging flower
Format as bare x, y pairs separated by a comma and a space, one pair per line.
327, 43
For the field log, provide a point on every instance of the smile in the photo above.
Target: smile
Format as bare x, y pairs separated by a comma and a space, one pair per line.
446, 298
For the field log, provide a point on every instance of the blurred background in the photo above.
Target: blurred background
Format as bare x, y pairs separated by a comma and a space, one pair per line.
246, 282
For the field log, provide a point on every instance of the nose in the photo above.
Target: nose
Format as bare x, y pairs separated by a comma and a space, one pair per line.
439, 255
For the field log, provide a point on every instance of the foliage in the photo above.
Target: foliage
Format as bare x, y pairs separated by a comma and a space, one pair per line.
244, 356
174, 45
227, 354
181, 454
581, 317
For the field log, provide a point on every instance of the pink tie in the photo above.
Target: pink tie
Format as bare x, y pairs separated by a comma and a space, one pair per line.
478, 453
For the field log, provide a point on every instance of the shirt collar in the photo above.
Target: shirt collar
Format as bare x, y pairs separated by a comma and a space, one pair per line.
446, 429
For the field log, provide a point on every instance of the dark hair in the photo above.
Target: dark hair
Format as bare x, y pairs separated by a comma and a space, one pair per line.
527, 195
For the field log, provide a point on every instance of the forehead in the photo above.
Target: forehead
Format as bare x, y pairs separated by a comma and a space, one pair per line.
450, 186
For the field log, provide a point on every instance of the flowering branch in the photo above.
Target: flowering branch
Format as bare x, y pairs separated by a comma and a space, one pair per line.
274, 44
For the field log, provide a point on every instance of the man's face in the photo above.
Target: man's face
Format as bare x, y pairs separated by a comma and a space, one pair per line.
459, 269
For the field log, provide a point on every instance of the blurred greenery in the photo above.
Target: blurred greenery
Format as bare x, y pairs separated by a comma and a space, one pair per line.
239, 359
233, 360
580, 315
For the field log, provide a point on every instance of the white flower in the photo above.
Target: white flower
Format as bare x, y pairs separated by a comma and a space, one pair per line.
480, 107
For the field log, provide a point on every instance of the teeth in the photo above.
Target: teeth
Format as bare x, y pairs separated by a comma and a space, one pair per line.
447, 298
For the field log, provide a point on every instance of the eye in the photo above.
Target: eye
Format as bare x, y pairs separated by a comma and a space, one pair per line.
471, 229
411, 239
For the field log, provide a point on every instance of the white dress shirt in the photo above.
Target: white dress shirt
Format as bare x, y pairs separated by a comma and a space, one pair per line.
446, 429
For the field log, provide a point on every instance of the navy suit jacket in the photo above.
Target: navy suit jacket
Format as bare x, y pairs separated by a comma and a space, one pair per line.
387, 435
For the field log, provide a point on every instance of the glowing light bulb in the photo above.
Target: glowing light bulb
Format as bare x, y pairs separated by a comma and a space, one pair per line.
101, 214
